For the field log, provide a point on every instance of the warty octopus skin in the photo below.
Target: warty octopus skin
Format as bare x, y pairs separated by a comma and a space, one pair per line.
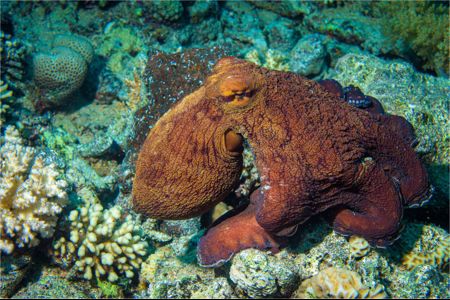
314, 151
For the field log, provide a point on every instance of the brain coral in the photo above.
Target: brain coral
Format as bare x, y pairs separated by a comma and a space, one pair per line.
102, 242
339, 284
31, 196
60, 72
77, 43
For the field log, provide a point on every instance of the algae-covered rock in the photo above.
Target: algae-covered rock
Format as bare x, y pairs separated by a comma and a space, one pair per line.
424, 282
258, 274
52, 284
12, 271
164, 275
308, 56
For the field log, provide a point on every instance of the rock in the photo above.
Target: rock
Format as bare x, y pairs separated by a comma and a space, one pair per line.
257, 274
308, 55
12, 271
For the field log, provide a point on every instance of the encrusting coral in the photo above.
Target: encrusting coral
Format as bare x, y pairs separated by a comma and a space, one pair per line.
432, 248
338, 283
101, 242
31, 195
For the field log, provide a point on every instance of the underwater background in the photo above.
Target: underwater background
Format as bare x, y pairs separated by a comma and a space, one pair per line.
83, 82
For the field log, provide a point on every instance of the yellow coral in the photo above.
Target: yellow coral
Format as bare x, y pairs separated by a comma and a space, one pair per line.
432, 248
31, 196
338, 283
359, 247
102, 242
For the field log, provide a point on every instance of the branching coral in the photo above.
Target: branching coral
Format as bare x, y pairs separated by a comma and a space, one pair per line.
101, 242
31, 196
338, 283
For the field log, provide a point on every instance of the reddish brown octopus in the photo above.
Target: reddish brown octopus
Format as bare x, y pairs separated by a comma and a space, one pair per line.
314, 152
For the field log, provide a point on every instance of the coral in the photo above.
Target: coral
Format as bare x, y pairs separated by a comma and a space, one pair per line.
423, 25
121, 46
59, 73
192, 158
359, 247
432, 248
12, 53
101, 242
6, 97
62, 71
31, 196
257, 274
338, 283
77, 43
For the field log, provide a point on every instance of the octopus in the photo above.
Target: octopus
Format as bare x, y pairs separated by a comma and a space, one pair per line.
318, 148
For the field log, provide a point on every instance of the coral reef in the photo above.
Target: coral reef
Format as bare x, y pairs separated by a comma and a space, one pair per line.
101, 242
31, 195
179, 175
334, 283
62, 71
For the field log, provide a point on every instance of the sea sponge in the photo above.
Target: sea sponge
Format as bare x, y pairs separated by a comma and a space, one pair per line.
77, 43
59, 73
31, 196
338, 283
432, 248
101, 242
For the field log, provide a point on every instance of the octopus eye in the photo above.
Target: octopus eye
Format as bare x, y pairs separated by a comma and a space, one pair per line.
239, 98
